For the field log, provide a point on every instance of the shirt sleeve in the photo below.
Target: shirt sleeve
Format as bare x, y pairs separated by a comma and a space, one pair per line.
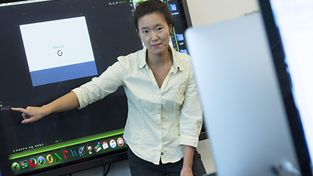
99, 87
191, 115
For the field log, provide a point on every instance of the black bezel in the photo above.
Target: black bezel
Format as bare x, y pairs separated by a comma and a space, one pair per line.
285, 84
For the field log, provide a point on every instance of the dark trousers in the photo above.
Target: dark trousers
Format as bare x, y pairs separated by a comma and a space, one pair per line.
140, 167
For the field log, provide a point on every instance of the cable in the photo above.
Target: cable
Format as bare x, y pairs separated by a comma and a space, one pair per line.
107, 171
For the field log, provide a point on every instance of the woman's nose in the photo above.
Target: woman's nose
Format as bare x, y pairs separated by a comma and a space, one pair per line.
154, 36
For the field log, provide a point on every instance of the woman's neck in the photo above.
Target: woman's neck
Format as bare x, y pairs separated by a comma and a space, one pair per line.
159, 60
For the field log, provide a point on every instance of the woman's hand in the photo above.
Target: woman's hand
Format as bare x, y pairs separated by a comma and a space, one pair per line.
186, 171
64, 103
31, 114
187, 161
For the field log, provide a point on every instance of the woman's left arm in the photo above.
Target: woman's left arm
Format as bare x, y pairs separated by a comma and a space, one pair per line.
188, 161
191, 115
190, 124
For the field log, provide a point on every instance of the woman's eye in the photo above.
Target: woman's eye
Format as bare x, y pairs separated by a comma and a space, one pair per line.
145, 31
158, 29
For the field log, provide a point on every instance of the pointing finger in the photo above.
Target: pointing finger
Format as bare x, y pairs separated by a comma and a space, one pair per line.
19, 109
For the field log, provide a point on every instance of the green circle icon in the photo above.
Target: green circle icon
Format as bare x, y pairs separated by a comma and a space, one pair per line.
15, 167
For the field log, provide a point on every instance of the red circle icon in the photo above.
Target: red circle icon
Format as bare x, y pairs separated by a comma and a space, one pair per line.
32, 162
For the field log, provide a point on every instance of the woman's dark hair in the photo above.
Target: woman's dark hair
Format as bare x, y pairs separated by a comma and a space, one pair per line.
152, 6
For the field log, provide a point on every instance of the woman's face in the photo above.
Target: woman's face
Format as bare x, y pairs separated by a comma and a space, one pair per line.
155, 33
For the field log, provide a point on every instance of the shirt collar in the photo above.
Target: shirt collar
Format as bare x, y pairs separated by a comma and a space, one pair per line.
142, 57
176, 60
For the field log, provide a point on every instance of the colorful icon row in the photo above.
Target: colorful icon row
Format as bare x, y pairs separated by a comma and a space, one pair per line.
50, 158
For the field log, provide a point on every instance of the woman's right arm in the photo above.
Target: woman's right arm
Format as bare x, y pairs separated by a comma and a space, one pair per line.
64, 103
88, 93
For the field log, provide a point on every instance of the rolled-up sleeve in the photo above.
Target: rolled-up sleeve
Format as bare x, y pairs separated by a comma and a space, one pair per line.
99, 87
191, 115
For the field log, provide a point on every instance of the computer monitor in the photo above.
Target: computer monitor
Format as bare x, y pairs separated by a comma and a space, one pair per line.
289, 29
243, 108
49, 47
251, 66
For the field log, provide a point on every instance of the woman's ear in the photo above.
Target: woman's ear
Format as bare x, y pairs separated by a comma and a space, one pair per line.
170, 28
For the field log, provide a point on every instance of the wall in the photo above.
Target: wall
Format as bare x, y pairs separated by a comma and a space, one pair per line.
211, 11
202, 12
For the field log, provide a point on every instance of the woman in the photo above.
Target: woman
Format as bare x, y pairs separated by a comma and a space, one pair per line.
164, 111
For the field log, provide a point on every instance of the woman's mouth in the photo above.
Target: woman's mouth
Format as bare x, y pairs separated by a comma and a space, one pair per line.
156, 45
